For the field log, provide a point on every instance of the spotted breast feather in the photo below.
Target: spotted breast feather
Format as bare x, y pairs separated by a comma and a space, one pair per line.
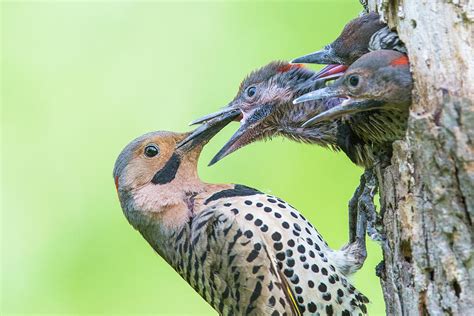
253, 254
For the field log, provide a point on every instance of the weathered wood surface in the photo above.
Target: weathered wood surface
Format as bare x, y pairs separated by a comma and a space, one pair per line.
427, 194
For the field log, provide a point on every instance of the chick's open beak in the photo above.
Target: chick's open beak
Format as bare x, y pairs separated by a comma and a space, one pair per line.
250, 130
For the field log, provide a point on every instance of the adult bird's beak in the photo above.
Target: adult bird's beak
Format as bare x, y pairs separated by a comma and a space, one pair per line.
223, 112
213, 124
248, 132
323, 56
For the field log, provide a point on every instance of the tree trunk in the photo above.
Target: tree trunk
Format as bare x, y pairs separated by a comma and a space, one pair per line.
427, 193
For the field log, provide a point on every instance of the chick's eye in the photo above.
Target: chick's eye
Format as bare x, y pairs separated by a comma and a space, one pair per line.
251, 91
353, 81
151, 151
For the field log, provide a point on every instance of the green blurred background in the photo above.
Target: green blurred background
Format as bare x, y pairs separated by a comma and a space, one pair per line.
80, 80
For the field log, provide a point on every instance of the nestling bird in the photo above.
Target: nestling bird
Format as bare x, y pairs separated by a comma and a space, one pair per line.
243, 251
375, 93
264, 107
360, 36
263, 104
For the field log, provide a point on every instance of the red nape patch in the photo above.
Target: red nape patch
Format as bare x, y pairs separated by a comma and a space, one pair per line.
400, 61
289, 67
116, 183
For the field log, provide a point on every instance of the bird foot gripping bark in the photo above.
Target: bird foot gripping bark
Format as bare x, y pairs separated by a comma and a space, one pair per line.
355, 252
367, 206
363, 216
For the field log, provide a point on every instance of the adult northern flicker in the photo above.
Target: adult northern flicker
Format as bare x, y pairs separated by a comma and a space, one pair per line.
360, 36
374, 96
243, 251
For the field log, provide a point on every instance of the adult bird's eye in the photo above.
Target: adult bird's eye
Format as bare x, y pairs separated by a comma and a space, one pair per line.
251, 91
151, 151
354, 81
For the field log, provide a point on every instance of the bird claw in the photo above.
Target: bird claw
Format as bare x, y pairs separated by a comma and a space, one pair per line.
353, 211
362, 202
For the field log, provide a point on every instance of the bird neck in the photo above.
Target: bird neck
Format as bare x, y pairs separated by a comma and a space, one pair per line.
295, 115
163, 212
169, 205
290, 117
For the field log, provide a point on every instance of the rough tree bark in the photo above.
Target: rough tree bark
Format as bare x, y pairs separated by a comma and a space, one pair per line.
427, 194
